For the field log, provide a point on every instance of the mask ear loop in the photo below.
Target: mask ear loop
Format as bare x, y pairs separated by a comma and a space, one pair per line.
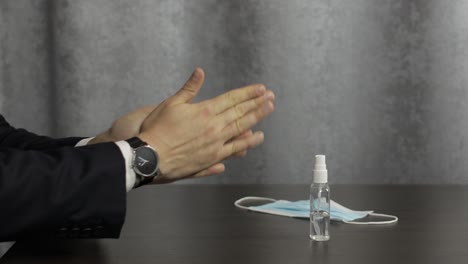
394, 220
239, 203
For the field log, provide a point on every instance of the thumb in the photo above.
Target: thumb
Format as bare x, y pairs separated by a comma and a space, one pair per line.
191, 87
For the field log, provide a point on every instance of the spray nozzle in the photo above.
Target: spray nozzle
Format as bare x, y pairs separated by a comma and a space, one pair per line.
320, 170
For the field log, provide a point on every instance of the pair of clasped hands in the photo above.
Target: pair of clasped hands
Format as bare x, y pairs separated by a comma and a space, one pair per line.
192, 139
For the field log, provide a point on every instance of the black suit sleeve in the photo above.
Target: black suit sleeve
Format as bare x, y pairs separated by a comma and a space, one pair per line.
19, 138
62, 191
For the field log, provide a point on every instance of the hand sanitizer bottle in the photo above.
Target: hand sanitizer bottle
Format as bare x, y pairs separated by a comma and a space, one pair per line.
320, 201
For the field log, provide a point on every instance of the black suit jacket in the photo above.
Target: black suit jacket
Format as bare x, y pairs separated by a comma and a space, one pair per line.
48, 187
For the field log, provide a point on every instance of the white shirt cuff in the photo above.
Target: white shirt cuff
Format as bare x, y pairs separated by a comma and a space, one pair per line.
127, 153
83, 142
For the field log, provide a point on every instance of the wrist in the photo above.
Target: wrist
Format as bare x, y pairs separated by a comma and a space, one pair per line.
103, 137
164, 166
145, 162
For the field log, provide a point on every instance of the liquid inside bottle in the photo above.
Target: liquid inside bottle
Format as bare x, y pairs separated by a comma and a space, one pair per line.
319, 212
319, 222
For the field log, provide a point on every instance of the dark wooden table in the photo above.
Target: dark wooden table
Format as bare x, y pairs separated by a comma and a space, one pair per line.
200, 224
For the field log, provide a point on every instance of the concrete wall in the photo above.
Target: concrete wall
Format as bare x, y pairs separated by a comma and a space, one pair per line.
380, 87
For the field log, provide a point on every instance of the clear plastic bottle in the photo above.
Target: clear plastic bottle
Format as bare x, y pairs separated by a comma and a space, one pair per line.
320, 202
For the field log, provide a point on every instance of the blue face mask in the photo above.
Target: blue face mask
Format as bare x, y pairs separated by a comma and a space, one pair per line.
301, 209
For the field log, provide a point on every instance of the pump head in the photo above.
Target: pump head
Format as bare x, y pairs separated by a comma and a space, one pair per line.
320, 170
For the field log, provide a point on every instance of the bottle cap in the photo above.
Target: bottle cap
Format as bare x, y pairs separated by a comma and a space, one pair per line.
320, 170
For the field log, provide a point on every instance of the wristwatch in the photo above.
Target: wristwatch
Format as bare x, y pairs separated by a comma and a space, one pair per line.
145, 162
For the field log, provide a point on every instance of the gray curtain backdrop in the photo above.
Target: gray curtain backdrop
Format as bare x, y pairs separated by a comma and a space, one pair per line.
380, 87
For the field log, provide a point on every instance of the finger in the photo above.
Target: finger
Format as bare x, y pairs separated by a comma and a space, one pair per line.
223, 102
240, 110
245, 134
213, 170
241, 154
247, 121
190, 88
240, 145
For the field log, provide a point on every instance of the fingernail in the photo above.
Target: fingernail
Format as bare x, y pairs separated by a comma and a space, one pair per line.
196, 75
269, 95
260, 89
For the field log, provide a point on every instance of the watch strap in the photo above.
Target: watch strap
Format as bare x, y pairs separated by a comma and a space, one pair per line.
140, 181
136, 142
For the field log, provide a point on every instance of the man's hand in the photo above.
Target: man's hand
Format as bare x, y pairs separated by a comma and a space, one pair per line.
129, 126
125, 127
193, 139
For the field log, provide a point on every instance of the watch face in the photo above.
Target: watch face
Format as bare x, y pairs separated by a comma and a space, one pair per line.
146, 161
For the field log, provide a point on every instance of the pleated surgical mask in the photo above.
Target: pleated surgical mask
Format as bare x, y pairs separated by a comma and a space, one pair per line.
301, 209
